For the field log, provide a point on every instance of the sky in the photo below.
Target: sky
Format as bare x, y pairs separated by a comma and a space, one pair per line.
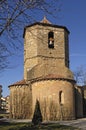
73, 16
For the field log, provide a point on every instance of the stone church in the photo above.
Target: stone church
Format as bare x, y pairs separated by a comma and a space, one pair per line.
47, 76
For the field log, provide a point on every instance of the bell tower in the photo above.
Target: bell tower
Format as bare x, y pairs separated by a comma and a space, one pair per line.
47, 77
45, 46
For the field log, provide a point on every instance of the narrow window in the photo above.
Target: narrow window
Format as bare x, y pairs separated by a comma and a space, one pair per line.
61, 97
51, 40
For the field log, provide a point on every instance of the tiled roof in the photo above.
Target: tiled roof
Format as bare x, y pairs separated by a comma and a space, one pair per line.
53, 76
22, 82
45, 20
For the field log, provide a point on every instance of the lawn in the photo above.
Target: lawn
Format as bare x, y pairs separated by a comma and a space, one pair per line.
28, 126
11, 126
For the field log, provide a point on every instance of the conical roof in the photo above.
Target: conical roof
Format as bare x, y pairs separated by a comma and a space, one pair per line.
45, 20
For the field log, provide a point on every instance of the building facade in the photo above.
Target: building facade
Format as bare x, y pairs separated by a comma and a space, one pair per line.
47, 76
5, 105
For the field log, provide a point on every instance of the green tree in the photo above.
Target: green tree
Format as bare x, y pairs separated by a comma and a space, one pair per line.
37, 116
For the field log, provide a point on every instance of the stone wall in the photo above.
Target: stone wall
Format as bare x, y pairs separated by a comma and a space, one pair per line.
20, 102
52, 106
84, 100
36, 50
79, 101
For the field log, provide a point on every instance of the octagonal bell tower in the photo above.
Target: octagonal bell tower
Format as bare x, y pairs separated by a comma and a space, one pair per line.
45, 45
46, 68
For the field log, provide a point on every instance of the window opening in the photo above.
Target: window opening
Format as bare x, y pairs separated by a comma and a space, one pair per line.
51, 40
61, 97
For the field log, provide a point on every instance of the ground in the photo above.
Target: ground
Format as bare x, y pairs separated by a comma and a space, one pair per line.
79, 123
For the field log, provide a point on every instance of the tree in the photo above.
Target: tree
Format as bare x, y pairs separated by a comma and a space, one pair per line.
37, 117
80, 75
14, 16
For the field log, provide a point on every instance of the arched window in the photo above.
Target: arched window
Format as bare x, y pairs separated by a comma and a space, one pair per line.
61, 97
51, 40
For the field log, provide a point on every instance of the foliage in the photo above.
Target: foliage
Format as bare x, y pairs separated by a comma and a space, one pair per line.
37, 117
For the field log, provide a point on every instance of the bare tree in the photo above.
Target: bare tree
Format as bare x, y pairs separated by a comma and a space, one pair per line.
80, 75
14, 16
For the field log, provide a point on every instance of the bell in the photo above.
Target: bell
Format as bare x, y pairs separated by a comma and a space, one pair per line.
50, 42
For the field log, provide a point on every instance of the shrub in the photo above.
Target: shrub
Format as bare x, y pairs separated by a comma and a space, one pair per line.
37, 116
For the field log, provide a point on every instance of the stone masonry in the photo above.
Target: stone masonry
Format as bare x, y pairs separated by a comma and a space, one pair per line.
47, 77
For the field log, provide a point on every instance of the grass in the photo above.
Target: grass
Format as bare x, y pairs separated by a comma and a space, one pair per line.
12, 126
4, 115
28, 126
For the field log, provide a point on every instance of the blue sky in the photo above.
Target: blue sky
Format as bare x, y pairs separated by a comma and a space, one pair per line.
73, 16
